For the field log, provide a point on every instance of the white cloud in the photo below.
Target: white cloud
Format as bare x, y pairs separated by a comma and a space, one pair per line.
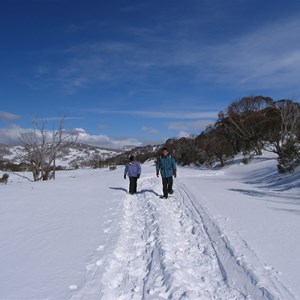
176, 114
269, 57
6, 116
151, 130
182, 134
84, 64
198, 125
104, 140
11, 135
46, 119
161, 114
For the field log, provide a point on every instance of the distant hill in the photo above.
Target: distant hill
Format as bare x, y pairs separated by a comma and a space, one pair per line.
142, 154
75, 155
80, 155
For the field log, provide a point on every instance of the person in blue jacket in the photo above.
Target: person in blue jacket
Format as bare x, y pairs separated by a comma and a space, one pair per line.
133, 170
166, 166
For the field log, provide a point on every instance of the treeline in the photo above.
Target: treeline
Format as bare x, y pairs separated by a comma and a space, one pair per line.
247, 126
142, 154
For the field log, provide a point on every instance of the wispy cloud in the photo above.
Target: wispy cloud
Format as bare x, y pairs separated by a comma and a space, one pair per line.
46, 119
11, 135
104, 140
85, 64
268, 57
183, 133
7, 116
151, 130
161, 114
134, 7
176, 115
198, 125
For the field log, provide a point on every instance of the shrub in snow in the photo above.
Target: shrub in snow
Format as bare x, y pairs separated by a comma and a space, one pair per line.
289, 158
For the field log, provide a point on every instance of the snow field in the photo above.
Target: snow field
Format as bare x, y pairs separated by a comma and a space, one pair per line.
173, 249
50, 232
161, 254
83, 237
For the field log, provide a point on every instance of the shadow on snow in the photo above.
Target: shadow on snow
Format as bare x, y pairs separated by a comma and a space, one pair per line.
139, 192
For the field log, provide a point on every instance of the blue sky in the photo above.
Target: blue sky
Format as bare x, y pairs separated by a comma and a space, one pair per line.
139, 72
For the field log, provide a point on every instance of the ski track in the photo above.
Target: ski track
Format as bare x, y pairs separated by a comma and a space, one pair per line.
170, 249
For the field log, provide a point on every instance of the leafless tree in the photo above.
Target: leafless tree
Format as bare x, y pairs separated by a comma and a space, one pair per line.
287, 143
290, 116
42, 147
284, 125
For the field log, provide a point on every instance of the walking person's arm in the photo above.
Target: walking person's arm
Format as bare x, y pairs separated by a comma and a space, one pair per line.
158, 165
174, 167
125, 171
139, 170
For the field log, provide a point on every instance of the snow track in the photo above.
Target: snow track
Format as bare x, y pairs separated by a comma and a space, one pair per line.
171, 249
235, 272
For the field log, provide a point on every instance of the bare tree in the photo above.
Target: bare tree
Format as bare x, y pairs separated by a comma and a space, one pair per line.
290, 116
42, 147
287, 144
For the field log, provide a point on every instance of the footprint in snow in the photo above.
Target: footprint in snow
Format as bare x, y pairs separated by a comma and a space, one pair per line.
90, 267
100, 248
107, 230
99, 262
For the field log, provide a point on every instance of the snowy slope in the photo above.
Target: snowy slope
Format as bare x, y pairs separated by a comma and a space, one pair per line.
73, 155
227, 234
48, 231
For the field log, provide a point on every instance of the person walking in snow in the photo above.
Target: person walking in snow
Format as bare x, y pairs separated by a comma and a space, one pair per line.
166, 166
133, 170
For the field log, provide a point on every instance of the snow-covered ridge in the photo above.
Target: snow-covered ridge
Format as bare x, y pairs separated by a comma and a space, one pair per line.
73, 155
82, 155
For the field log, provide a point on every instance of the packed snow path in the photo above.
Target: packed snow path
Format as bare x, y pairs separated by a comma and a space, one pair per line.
171, 249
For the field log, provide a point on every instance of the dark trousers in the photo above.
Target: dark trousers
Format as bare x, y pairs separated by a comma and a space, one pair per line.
132, 184
167, 185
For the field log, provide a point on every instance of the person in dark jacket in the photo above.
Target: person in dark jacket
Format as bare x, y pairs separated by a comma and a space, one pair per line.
133, 170
166, 166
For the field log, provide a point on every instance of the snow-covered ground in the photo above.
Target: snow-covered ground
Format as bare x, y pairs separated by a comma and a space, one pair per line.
226, 234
